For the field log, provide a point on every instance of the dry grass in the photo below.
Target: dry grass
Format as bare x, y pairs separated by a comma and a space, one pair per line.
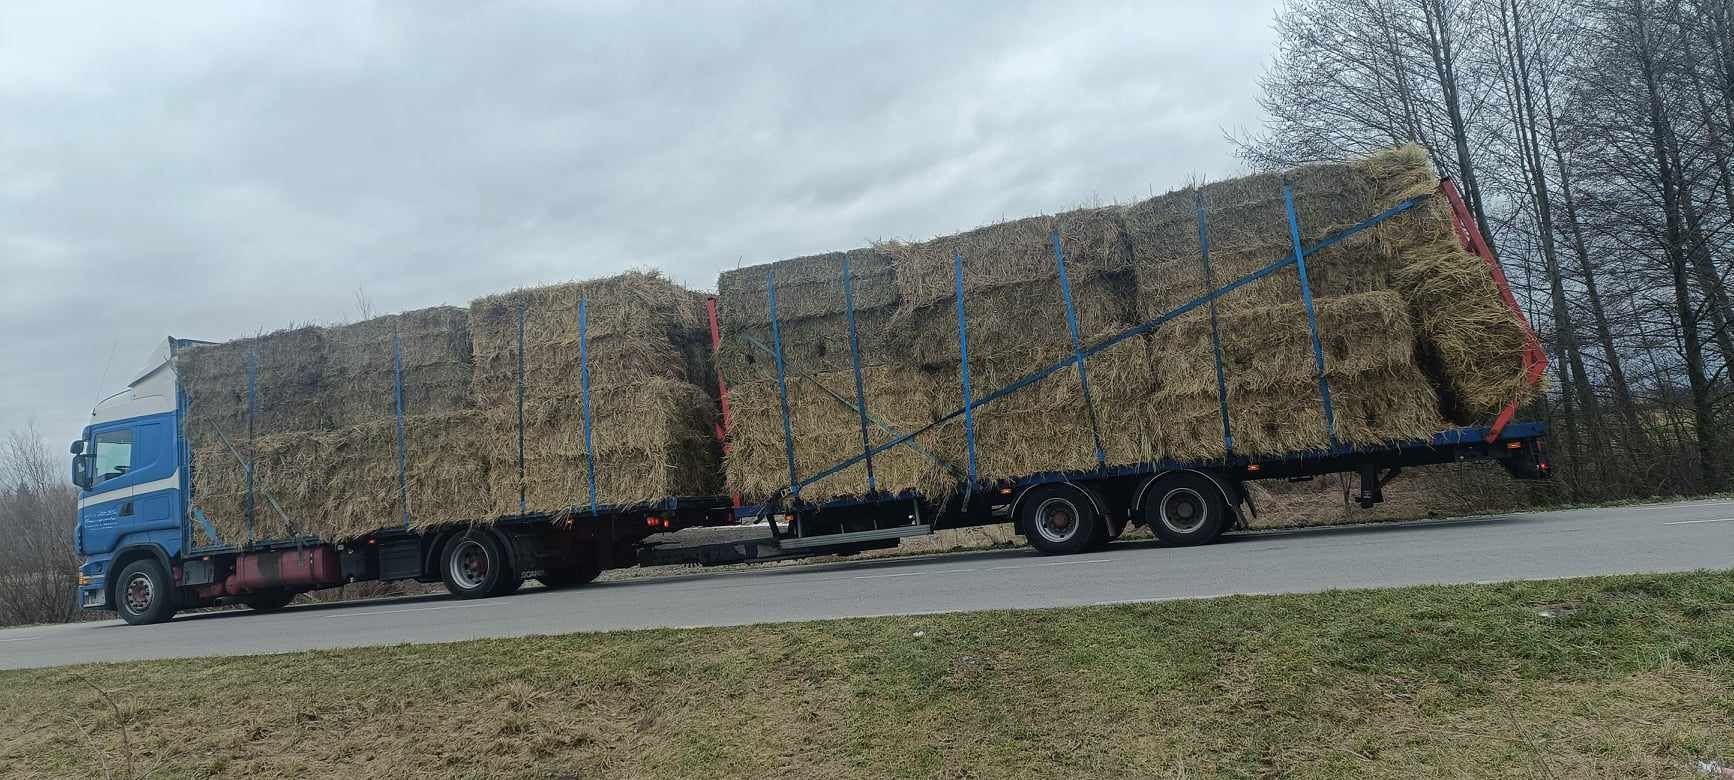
1633, 677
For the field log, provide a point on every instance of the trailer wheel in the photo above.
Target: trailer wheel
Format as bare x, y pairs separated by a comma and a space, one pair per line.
1060, 520
1184, 508
143, 594
474, 566
269, 601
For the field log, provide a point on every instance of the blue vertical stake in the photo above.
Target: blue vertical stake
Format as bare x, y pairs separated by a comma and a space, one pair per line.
252, 502
963, 367
402, 452
855, 364
523, 502
1215, 333
584, 388
1078, 347
1300, 261
782, 384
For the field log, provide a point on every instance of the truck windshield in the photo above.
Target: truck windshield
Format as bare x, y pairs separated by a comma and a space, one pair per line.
113, 454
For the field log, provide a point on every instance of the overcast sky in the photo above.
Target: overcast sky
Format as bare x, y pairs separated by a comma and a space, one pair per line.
208, 170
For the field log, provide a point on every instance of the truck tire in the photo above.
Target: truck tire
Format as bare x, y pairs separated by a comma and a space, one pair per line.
571, 577
143, 593
1184, 509
270, 601
1060, 520
473, 566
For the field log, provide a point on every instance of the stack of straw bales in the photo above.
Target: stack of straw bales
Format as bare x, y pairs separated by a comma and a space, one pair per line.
325, 430
1412, 328
1015, 316
814, 326
324, 438
652, 417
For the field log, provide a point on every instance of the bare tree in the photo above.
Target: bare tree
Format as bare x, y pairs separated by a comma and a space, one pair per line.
38, 509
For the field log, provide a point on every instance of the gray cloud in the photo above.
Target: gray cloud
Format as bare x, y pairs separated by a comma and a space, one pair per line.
213, 169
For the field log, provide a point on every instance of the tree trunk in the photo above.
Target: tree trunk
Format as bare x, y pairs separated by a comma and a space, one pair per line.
1624, 406
1703, 414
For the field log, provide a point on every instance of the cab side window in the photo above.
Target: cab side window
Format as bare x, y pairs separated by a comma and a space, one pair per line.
113, 454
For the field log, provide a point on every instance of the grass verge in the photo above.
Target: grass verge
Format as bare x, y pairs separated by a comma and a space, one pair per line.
1599, 677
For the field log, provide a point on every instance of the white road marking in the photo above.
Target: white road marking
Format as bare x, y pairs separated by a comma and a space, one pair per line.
910, 574
1695, 522
395, 611
21, 638
1056, 563
1692, 505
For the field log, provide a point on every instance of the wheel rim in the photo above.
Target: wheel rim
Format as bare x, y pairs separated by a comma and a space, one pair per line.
469, 564
139, 593
1183, 510
1058, 520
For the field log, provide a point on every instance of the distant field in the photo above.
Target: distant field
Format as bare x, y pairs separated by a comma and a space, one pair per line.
1602, 677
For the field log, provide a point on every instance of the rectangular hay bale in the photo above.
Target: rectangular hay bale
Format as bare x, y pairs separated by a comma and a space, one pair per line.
434, 345
289, 383
827, 431
342, 483
1011, 253
652, 439
639, 326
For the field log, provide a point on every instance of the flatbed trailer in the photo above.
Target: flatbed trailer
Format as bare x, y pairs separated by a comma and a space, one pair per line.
136, 528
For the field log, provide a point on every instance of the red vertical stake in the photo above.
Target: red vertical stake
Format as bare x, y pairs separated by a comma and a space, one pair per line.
722, 388
1534, 357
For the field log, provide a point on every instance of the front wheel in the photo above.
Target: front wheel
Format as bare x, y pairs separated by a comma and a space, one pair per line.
1060, 520
143, 593
474, 566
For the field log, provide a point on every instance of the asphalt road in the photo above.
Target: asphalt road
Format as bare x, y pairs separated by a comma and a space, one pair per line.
1580, 542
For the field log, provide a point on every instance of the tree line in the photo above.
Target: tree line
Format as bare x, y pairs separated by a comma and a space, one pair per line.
1592, 140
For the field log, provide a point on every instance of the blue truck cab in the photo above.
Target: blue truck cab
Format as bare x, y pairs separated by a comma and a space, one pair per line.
130, 468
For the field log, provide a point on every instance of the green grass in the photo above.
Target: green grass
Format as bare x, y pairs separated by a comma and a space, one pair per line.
1634, 676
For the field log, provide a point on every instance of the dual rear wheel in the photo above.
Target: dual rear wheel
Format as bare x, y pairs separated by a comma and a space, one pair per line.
1182, 508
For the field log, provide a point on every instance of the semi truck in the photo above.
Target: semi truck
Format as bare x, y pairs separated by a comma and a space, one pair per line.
141, 555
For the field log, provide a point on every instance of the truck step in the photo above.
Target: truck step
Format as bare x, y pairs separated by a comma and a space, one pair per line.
833, 540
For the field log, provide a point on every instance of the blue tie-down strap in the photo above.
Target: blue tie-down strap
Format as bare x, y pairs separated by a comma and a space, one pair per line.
1215, 333
205, 523
1078, 348
1300, 261
855, 364
523, 496
584, 390
963, 363
402, 453
783, 384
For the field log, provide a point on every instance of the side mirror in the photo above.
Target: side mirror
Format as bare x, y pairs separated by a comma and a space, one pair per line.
78, 447
81, 470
